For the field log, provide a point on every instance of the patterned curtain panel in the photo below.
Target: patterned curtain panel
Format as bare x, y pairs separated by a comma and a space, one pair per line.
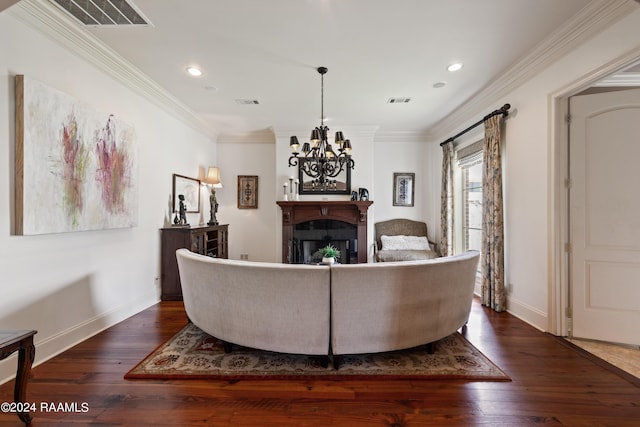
493, 290
446, 201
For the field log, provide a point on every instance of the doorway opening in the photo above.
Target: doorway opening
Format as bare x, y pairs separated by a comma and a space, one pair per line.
562, 292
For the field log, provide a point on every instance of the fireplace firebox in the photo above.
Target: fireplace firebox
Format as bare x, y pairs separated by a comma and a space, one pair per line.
309, 236
307, 226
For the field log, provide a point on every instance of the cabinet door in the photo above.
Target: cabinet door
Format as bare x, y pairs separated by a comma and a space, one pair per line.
198, 242
212, 243
223, 248
172, 240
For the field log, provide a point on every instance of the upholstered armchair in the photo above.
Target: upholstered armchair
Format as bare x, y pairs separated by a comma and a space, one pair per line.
402, 240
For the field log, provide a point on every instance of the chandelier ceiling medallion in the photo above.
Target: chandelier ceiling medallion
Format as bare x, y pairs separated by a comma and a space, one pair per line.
319, 160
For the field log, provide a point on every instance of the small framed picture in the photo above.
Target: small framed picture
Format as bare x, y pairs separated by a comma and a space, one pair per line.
190, 189
403, 188
247, 192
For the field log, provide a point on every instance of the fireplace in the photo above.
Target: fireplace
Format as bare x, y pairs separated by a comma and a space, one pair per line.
309, 236
308, 226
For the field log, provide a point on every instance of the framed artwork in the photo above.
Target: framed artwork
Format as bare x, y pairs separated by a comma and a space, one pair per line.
190, 189
76, 166
247, 192
403, 188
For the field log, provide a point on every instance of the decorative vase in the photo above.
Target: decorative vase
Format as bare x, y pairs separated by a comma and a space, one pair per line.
328, 261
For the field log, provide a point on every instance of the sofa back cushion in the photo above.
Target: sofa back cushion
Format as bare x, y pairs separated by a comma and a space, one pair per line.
269, 306
395, 305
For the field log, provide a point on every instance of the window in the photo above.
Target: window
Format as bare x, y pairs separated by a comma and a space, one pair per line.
472, 207
468, 196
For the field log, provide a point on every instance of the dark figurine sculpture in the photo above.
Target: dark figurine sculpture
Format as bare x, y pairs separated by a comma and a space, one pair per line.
183, 210
214, 207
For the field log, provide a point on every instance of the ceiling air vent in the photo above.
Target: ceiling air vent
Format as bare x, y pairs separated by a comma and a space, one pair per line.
103, 12
398, 100
247, 101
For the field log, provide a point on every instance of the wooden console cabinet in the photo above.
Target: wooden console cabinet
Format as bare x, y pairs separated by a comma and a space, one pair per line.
210, 240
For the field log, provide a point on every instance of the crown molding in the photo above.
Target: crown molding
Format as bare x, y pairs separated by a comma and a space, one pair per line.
362, 132
403, 136
264, 136
55, 24
591, 20
352, 132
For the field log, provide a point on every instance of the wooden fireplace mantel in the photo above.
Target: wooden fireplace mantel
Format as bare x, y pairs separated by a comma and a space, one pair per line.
351, 212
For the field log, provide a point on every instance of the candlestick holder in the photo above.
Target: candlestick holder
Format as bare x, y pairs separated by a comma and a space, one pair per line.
291, 197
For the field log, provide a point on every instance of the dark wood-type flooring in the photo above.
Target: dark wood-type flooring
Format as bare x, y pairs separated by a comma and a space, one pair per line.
552, 385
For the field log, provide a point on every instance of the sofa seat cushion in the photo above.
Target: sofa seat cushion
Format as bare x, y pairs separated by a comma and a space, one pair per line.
405, 255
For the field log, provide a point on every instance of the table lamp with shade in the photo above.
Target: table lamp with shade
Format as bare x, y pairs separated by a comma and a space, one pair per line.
213, 180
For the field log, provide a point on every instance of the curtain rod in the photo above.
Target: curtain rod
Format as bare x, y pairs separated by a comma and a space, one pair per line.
504, 111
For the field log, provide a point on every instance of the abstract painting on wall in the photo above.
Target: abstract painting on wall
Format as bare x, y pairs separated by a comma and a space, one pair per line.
76, 168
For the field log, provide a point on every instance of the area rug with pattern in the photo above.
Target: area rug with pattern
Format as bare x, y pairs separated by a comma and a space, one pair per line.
193, 354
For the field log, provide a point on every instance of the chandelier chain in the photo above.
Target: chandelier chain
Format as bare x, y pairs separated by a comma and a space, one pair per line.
321, 100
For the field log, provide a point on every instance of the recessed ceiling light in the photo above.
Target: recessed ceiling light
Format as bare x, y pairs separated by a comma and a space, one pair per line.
195, 72
455, 66
438, 85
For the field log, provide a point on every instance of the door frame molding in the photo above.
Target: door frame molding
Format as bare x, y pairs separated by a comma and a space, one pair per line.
559, 300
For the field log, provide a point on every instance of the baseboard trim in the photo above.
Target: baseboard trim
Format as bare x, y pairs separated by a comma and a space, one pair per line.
524, 312
58, 343
528, 314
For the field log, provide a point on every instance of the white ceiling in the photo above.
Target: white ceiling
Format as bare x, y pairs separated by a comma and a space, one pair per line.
374, 50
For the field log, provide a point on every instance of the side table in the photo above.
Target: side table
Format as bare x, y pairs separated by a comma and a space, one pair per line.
22, 341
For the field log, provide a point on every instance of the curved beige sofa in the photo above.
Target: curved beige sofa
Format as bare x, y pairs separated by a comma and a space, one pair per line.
396, 305
322, 310
268, 306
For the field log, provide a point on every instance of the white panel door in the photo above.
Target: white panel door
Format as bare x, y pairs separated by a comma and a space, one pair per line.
605, 215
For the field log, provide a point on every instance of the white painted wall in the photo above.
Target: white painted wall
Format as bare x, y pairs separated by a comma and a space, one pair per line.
396, 155
70, 286
408, 153
529, 177
251, 231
